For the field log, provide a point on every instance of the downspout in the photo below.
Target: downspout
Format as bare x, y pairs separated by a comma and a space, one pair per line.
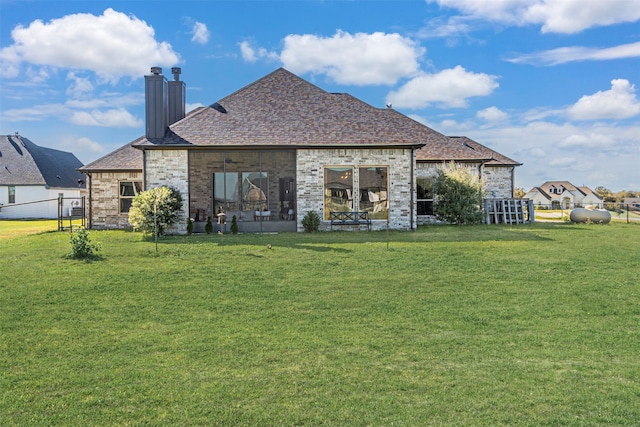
90, 224
144, 169
413, 190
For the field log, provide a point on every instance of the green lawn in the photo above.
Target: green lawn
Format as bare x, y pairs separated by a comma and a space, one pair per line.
529, 325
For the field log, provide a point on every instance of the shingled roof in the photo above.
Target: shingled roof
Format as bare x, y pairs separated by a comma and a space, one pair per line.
125, 158
281, 109
24, 163
284, 110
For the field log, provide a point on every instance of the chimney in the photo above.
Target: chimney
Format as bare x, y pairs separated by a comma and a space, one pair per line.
156, 101
176, 97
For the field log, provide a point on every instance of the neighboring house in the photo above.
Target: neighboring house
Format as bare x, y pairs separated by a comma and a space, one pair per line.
277, 149
33, 177
563, 195
633, 203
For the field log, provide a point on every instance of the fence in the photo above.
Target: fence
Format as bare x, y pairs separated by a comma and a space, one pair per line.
69, 211
619, 211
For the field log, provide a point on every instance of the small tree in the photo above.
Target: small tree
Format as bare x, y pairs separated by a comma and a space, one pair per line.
311, 222
208, 228
155, 210
81, 246
458, 196
234, 225
189, 227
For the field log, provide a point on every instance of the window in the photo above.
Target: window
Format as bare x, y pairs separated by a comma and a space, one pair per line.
425, 196
254, 191
128, 190
12, 194
338, 190
225, 192
373, 191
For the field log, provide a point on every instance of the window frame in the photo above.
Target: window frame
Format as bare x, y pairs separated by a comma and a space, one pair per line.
378, 209
425, 205
11, 194
136, 186
338, 197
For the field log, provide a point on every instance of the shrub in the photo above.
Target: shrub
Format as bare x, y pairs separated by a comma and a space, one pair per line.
161, 206
458, 196
189, 227
81, 246
234, 225
311, 222
208, 228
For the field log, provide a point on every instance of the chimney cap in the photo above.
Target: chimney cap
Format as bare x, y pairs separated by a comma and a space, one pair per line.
176, 71
156, 70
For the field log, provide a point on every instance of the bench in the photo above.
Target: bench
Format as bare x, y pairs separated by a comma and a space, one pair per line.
350, 218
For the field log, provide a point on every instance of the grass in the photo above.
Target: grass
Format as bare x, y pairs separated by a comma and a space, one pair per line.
483, 326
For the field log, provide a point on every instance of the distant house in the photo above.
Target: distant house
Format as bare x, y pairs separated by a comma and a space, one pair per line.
33, 177
563, 195
632, 202
279, 148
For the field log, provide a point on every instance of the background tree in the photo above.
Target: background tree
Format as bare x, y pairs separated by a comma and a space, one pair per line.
459, 196
157, 207
519, 192
604, 193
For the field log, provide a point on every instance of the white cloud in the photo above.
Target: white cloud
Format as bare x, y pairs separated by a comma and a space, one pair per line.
200, 33
592, 140
590, 154
190, 107
112, 45
356, 59
109, 118
577, 53
554, 16
82, 144
448, 88
492, 114
251, 55
620, 102
79, 85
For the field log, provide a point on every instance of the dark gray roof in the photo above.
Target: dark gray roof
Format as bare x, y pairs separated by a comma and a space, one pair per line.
125, 158
24, 163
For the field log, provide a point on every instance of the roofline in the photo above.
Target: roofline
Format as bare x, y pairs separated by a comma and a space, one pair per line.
83, 170
271, 146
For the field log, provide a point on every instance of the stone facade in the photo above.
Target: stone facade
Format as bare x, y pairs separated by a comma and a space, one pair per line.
105, 203
401, 181
170, 168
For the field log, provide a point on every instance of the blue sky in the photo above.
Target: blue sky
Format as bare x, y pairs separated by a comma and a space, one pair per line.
552, 84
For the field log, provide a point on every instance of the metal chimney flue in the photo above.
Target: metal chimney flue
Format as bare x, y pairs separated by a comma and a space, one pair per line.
176, 71
156, 104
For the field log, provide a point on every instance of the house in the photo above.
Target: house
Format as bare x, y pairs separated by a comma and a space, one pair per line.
277, 149
563, 195
32, 178
633, 203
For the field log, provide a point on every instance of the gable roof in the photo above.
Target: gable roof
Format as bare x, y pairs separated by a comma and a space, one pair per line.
282, 109
24, 163
545, 189
125, 158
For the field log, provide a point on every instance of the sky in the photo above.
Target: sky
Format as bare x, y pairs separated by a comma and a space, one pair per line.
552, 84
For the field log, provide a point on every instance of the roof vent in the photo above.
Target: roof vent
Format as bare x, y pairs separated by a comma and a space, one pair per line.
218, 107
156, 70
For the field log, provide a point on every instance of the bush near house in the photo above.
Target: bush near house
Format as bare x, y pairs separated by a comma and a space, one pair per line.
459, 196
157, 207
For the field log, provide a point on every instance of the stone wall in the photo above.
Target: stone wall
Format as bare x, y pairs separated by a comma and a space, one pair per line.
105, 202
170, 168
310, 166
